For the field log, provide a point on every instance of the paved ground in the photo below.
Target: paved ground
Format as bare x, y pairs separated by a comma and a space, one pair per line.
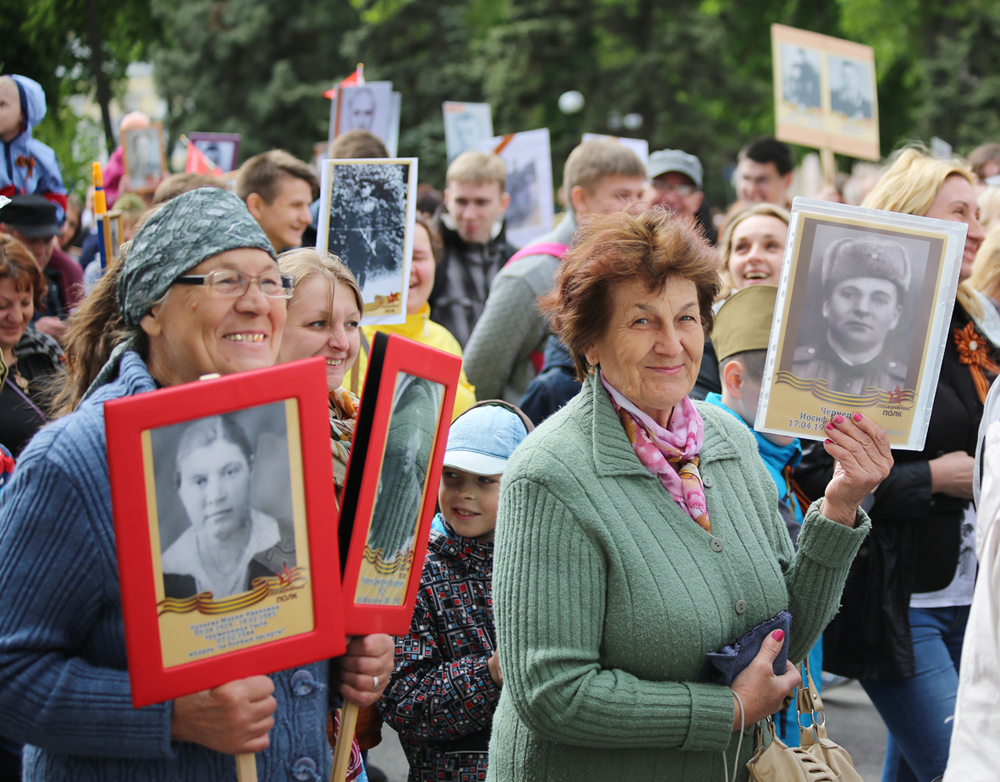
851, 721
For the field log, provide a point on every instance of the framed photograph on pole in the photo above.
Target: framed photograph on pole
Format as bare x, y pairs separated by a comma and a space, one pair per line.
825, 92
392, 481
225, 527
528, 157
366, 217
860, 321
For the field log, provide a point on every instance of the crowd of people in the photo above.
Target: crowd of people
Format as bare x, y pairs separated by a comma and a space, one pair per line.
580, 575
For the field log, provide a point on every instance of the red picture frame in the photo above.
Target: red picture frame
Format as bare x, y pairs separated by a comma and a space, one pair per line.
396, 438
161, 453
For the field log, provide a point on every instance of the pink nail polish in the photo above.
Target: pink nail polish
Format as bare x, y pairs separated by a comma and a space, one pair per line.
829, 441
838, 419
829, 425
778, 635
857, 416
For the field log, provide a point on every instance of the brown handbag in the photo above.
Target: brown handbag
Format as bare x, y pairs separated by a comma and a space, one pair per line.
819, 759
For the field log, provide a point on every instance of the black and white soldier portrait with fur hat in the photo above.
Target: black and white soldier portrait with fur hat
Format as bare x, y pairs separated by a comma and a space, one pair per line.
866, 286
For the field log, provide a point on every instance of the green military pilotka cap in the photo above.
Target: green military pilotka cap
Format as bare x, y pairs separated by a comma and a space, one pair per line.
744, 321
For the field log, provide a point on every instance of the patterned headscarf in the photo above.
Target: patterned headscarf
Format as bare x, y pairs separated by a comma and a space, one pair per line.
187, 230
184, 232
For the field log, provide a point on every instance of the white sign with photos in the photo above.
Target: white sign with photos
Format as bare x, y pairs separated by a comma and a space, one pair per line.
466, 126
528, 158
366, 217
861, 320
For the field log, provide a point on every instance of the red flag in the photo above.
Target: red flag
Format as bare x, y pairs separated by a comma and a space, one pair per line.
358, 77
197, 163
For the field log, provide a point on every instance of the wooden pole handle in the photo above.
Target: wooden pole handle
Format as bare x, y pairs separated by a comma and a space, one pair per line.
246, 767
829, 166
345, 738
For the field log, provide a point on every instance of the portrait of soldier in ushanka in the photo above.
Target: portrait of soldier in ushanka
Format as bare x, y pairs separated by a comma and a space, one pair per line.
866, 282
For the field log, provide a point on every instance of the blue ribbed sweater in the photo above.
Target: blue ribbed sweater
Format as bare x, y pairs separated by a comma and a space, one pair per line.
608, 597
64, 685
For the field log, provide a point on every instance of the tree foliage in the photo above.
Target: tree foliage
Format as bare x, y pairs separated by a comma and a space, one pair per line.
254, 67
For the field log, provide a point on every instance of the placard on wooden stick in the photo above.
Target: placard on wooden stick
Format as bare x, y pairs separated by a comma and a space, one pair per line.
824, 92
225, 530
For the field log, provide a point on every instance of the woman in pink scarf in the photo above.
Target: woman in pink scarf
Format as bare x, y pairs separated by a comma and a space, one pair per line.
638, 532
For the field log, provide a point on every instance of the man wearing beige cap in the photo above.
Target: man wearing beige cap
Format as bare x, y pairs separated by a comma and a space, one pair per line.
675, 181
865, 284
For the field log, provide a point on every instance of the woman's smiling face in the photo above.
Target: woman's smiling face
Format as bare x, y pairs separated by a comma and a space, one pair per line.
193, 332
758, 248
316, 327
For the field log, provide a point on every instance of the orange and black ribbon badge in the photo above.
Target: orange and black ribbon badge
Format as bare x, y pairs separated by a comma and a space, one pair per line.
288, 579
974, 352
25, 161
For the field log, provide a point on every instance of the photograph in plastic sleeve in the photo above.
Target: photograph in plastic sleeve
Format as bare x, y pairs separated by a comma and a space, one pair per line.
367, 213
861, 321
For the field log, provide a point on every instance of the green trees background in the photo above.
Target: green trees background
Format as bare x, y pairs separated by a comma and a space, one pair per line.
697, 71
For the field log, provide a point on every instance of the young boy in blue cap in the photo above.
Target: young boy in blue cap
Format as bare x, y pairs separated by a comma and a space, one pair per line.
446, 681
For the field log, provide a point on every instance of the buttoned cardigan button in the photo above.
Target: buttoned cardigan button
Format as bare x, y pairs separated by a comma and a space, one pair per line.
717, 544
304, 770
303, 683
707, 481
741, 606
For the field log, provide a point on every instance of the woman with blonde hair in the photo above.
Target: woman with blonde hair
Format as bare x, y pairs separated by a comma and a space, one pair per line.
907, 597
324, 319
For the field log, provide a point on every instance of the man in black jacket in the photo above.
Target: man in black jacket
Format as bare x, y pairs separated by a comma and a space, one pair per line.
471, 223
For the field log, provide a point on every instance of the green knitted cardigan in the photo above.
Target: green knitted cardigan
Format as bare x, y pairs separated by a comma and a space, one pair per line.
608, 597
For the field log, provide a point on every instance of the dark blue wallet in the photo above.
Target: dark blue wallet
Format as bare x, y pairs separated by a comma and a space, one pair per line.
727, 663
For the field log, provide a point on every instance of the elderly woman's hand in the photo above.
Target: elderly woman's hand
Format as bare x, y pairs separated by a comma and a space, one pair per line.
863, 460
234, 718
365, 668
759, 690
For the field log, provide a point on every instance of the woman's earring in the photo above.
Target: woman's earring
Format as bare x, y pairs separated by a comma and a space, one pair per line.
590, 369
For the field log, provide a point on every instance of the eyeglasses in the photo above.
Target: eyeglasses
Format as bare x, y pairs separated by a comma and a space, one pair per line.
682, 190
233, 284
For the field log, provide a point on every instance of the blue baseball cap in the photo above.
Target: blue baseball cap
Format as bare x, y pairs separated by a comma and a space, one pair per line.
482, 439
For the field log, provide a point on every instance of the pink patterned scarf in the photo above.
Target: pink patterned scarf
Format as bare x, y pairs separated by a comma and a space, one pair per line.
671, 453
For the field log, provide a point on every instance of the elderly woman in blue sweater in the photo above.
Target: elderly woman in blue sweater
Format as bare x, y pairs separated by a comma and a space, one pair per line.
639, 532
199, 292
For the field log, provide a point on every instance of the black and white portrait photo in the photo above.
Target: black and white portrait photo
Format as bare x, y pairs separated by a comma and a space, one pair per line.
860, 297
144, 158
409, 442
529, 181
850, 87
466, 126
801, 76
368, 210
860, 322
366, 106
224, 501
220, 148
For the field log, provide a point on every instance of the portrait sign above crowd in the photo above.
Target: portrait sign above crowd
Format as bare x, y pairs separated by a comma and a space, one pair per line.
221, 149
225, 528
392, 480
824, 92
860, 321
144, 158
528, 156
367, 215
466, 126
367, 106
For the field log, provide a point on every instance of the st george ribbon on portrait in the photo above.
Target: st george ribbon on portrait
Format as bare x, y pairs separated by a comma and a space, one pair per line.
224, 502
860, 320
367, 214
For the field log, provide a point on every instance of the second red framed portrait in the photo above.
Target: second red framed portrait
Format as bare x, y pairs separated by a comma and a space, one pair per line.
225, 524
392, 481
